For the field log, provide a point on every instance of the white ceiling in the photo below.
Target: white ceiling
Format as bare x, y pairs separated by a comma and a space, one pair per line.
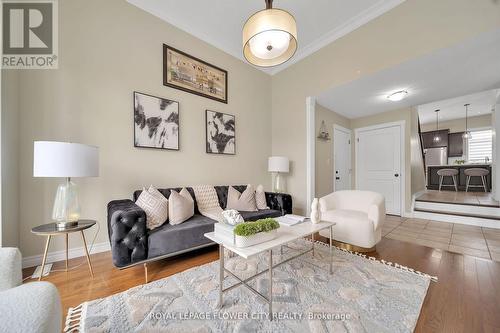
220, 22
480, 104
459, 70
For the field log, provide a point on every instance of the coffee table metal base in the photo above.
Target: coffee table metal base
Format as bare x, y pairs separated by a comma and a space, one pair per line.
269, 271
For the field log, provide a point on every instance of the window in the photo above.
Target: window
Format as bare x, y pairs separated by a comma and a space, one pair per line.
480, 145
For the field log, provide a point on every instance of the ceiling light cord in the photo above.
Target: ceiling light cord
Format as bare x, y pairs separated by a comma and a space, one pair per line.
269, 4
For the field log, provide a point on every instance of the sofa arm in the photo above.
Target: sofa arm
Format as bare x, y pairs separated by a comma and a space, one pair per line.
279, 201
10, 271
326, 203
127, 232
31, 307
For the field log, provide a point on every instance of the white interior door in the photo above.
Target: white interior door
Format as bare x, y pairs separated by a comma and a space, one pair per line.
378, 164
341, 159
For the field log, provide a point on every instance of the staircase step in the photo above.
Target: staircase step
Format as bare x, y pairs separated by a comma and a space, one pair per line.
480, 216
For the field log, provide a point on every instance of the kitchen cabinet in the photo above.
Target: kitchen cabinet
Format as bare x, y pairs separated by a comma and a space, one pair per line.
455, 144
428, 139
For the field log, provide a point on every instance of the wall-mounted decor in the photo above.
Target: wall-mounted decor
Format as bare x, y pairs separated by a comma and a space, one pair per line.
323, 132
156, 122
185, 72
220, 131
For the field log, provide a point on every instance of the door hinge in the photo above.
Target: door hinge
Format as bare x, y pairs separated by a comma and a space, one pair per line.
357, 139
349, 141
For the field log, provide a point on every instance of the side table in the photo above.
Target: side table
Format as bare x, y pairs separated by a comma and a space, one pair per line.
51, 229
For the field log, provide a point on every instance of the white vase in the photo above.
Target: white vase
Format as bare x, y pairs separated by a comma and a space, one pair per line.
315, 212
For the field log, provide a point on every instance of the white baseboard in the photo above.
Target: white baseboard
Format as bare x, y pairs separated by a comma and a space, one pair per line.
61, 255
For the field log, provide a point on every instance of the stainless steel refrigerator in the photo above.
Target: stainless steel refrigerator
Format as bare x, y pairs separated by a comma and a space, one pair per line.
436, 156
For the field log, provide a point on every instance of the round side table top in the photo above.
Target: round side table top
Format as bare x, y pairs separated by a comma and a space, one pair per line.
51, 229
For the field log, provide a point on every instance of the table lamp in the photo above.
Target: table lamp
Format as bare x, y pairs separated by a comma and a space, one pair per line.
278, 165
68, 160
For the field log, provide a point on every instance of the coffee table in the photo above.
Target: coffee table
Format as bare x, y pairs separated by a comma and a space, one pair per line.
285, 235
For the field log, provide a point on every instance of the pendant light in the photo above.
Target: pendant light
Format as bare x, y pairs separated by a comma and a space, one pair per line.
466, 134
437, 138
269, 37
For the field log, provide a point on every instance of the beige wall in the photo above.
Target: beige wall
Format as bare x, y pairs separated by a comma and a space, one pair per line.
414, 28
389, 117
324, 149
458, 125
108, 49
416, 162
10, 158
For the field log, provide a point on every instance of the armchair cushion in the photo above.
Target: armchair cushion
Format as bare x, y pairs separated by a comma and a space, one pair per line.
31, 307
352, 227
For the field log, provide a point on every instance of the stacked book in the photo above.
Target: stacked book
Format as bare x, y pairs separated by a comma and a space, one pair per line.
225, 232
290, 219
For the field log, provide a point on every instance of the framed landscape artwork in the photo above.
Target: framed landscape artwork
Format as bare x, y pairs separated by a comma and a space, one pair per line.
156, 122
185, 72
220, 133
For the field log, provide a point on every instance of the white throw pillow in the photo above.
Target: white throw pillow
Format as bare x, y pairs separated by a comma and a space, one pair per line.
260, 198
241, 201
180, 206
155, 206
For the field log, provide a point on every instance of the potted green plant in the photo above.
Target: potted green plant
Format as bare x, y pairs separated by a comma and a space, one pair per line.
251, 233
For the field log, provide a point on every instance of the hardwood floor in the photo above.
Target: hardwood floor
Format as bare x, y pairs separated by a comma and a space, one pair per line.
465, 299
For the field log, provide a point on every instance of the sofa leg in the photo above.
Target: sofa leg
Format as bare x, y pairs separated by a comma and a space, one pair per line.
146, 272
353, 248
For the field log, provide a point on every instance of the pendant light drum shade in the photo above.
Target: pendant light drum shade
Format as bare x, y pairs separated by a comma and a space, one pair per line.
269, 37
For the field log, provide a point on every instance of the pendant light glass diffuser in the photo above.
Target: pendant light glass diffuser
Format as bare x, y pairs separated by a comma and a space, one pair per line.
466, 134
269, 37
437, 138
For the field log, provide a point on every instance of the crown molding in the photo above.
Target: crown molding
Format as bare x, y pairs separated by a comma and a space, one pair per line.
381, 7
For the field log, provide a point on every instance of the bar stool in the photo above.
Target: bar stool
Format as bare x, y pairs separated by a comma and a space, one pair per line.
476, 172
448, 173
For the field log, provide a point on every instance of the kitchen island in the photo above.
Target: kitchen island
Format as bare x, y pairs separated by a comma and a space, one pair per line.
433, 178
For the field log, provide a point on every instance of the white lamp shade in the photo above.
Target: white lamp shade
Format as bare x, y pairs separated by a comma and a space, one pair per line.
278, 164
64, 159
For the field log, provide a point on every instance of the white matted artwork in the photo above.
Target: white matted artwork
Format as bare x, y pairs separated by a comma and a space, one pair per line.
220, 133
156, 122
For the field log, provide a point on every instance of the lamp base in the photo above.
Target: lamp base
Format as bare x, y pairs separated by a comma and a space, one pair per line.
66, 209
66, 224
279, 183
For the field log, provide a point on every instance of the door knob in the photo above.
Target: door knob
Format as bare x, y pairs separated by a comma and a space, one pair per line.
396, 175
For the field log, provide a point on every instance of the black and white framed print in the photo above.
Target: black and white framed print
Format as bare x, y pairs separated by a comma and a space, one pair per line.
156, 122
221, 133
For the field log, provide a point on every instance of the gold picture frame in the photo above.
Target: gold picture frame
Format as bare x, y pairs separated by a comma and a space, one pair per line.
185, 72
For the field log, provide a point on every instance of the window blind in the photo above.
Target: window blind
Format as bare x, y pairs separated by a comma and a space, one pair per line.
480, 145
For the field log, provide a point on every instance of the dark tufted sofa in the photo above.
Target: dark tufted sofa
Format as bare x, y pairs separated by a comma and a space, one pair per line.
132, 243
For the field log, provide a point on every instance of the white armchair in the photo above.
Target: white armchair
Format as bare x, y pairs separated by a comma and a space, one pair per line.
30, 307
358, 215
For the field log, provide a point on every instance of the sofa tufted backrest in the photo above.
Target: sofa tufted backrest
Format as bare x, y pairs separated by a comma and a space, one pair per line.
221, 194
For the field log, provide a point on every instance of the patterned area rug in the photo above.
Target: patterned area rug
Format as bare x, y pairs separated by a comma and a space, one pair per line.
362, 295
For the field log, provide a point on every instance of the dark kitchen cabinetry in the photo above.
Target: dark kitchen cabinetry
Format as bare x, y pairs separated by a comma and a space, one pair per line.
455, 144
428, 139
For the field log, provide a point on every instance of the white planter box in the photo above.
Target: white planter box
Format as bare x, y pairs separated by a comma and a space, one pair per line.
261, 237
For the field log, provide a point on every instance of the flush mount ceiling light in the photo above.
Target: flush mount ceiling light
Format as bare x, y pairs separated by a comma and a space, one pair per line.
397, 96
269, 37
